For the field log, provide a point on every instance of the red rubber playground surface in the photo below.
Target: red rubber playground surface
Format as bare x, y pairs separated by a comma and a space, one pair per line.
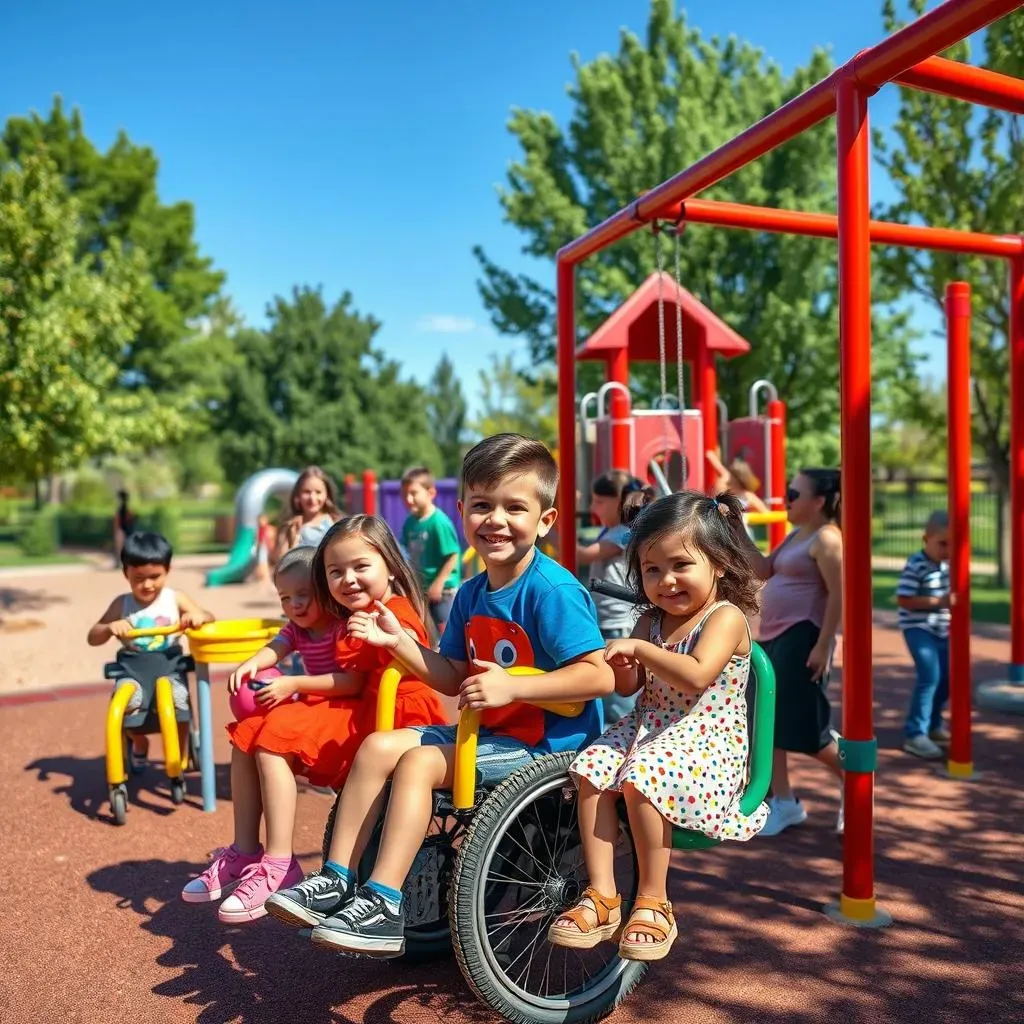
92, 930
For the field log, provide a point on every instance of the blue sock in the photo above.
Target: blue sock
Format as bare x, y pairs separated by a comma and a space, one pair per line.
392, 897
344, 873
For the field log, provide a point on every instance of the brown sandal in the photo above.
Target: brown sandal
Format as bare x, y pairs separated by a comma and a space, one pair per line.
585, 935
663, 937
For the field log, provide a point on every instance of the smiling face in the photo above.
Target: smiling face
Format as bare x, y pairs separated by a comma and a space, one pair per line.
295, 589
357, 574
677, 577
503, 522
312, 497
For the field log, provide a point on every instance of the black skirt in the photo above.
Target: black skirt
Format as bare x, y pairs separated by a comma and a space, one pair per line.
803, 715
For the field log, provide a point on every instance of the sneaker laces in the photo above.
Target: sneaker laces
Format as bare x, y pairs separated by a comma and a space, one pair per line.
360, 905
250, 879
314, 884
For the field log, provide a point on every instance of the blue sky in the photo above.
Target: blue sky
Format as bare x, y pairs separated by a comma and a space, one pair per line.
357, 146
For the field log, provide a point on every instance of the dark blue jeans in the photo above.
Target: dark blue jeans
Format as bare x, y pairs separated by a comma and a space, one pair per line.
931, 687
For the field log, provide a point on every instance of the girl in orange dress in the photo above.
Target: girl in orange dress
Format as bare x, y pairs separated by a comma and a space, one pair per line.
357, 563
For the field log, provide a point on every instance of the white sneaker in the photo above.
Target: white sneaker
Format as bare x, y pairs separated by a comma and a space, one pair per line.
921, 746
841, 816
782, 814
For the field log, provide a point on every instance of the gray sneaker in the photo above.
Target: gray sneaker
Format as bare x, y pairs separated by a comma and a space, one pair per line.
316, 897
923, 747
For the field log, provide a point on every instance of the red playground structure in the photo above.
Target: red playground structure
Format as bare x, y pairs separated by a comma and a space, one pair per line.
906, 57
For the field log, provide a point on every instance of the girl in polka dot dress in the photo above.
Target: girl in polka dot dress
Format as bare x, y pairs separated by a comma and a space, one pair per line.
679, 758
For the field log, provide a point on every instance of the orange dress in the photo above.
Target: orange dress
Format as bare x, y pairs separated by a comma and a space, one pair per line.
324, 734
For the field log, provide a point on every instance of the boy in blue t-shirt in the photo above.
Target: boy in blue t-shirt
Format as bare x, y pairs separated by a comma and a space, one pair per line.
524, 610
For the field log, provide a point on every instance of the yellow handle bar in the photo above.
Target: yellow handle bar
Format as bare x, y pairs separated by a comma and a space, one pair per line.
764, 518
468, 734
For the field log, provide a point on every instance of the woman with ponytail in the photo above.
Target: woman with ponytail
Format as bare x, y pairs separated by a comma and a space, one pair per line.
801, 608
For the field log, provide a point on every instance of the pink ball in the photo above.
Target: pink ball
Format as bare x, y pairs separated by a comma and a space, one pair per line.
243, 703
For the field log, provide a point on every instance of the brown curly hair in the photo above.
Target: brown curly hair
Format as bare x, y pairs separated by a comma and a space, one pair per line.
714, 525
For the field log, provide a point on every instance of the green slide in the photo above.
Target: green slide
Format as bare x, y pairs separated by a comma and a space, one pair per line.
240, 560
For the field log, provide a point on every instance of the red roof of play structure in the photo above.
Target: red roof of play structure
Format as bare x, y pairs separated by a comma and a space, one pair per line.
634, 325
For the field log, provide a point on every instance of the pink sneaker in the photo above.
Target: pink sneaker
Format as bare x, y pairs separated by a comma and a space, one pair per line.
257, 883
224, 873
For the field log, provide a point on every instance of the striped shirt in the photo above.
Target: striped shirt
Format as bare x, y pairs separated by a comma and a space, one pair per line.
921, 577
318, 653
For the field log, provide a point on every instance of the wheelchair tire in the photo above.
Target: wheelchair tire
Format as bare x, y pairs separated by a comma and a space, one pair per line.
541, 793
177, 791
423, 943
119, 804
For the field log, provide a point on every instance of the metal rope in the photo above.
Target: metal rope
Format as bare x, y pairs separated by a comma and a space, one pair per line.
679, 358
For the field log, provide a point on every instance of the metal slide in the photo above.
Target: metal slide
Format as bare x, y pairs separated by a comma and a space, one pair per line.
249, 504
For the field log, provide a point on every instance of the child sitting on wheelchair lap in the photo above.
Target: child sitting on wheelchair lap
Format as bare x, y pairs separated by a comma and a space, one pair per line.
679, 758
524, 610
356, 565
149, 603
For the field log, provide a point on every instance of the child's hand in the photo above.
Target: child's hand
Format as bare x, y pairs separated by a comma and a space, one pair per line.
244, 671
622, 653
435, 592
490, 686
379, 628
119, 628
277, 691
193, 620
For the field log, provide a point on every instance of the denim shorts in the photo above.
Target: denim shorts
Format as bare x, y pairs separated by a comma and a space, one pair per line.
497, 757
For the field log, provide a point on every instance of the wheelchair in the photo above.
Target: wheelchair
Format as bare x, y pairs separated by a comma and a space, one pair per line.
501, 862
152, 670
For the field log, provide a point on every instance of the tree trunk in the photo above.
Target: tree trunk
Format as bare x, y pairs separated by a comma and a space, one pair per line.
53, 495
38, 494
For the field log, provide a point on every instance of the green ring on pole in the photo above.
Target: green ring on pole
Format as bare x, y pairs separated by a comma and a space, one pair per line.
858, 755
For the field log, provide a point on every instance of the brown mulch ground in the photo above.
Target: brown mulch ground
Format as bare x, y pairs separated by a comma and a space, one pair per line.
92, 930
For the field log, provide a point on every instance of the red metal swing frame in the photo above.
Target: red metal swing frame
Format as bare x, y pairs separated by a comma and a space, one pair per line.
908, 58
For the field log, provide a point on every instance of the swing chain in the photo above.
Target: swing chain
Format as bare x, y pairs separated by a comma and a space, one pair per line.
661, 306
677, 231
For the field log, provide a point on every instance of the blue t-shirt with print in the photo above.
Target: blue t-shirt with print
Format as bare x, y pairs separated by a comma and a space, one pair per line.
543, 619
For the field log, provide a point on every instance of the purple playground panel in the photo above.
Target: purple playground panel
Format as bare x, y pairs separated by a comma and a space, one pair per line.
392, 507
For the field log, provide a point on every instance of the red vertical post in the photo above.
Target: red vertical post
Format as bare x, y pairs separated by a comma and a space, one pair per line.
566, 362
369, 492
705, 398
776, 501
858, 750
619, 411
958, 391
1016, 347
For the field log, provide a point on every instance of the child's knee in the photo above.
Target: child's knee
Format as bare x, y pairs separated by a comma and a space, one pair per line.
384, 750
423, 766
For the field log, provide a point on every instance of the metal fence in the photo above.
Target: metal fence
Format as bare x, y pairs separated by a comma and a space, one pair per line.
902, 508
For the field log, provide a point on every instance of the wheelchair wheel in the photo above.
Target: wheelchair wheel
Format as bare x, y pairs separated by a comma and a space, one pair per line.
177, 791
524, 845
119, 804
427, 934
191, 763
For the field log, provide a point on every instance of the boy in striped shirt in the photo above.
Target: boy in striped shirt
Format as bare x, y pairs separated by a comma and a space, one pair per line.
923, 598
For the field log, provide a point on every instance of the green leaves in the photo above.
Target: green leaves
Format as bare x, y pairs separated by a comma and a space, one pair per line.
311, 388
64, 324
660, 103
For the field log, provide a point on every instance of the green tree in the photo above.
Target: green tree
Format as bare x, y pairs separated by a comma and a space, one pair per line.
446, 413
117, 198
311, 388
64, 322
512, 402
657, 105
954, 165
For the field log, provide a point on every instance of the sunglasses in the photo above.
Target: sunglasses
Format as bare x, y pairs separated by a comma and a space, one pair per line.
793, 494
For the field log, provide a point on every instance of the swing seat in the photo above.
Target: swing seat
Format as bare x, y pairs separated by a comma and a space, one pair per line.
761, 726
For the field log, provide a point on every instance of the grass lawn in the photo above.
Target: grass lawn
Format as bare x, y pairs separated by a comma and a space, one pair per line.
11, 557
988, 602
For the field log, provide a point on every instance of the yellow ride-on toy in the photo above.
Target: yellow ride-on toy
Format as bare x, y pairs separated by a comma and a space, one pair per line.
153, 671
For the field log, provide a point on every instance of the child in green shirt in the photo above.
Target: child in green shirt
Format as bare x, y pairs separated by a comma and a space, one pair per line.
433, 545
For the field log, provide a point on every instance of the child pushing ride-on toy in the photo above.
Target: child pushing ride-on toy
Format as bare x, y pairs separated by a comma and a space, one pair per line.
151, 671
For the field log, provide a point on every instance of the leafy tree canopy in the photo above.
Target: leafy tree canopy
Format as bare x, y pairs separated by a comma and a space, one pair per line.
639, 116
311, 388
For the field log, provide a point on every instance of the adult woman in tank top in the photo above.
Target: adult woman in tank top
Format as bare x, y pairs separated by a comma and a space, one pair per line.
801, 607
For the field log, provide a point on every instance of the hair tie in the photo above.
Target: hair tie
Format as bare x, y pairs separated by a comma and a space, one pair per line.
723, 509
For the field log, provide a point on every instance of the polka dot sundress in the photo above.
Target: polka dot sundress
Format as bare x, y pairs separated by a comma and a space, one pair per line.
687, 753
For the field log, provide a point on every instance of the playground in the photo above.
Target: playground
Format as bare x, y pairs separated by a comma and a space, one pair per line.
754, 941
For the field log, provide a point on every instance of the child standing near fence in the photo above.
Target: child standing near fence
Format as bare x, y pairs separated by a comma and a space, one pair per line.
429, 537
923, 597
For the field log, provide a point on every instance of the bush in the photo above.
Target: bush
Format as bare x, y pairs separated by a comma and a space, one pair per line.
165, 519
40, 538
86, 528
